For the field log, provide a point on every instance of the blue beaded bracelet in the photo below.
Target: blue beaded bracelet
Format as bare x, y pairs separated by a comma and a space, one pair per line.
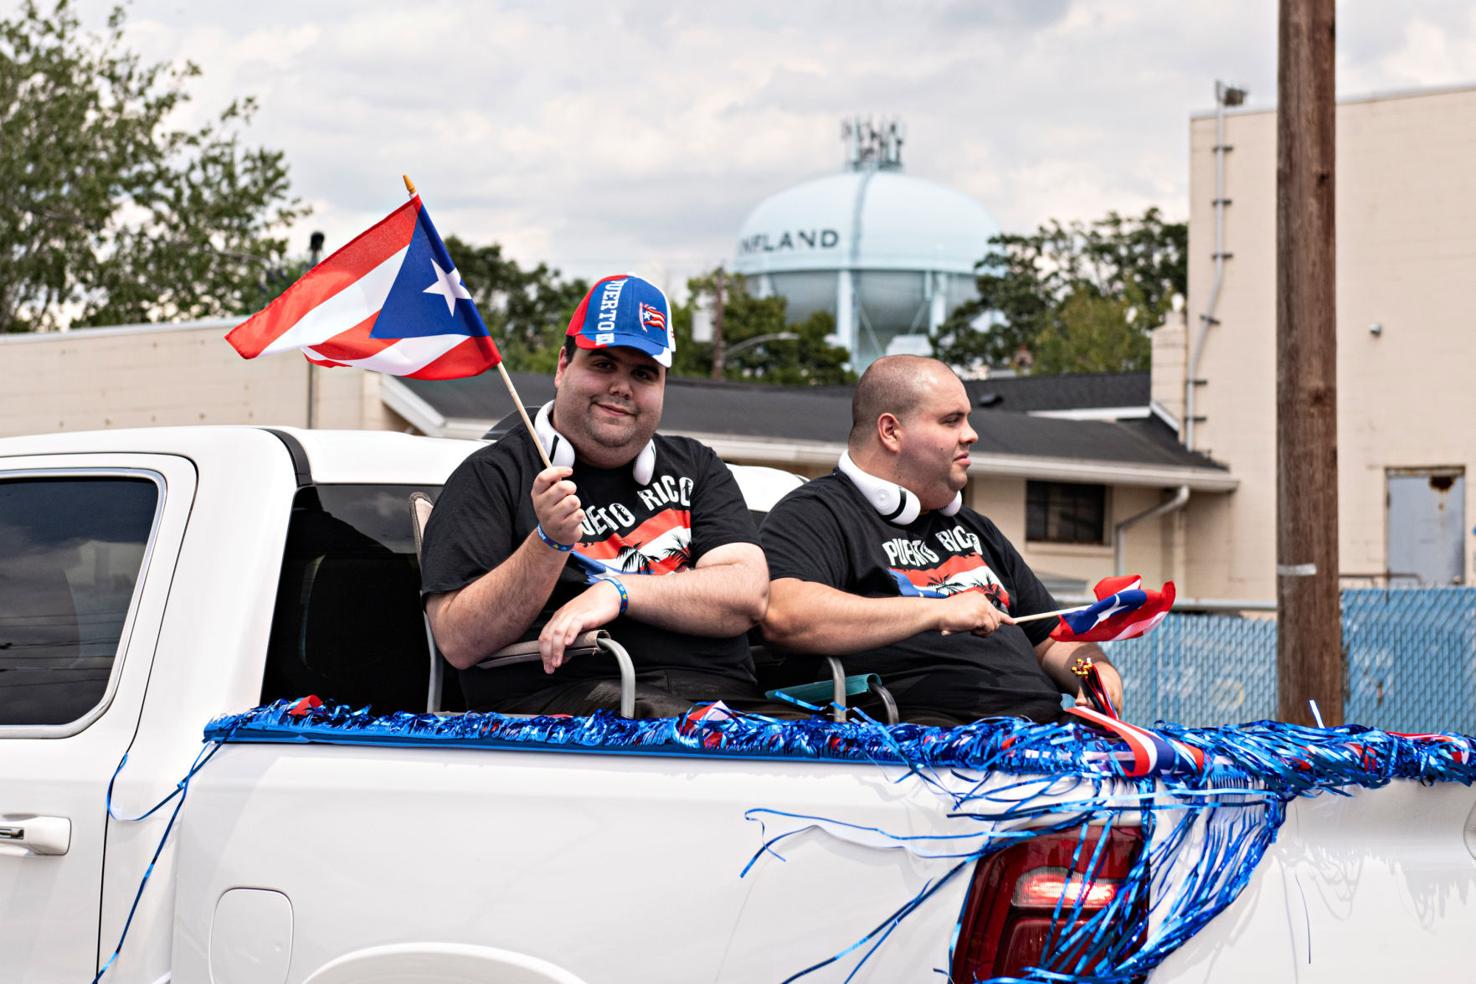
624, 595
560, 547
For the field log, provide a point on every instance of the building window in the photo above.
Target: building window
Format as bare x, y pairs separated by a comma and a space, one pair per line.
1062, 512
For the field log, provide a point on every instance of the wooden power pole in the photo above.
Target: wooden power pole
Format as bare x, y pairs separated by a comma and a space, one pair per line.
1309, 650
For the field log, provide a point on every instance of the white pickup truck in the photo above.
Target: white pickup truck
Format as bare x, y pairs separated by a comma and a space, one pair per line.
153, 580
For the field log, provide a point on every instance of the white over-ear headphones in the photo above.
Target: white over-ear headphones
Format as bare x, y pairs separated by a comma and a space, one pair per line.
561, 452
896, 505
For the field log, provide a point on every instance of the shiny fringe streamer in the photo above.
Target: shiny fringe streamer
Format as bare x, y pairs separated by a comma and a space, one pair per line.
1205, 828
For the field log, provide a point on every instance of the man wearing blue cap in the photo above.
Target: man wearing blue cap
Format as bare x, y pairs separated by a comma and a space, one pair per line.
641, 534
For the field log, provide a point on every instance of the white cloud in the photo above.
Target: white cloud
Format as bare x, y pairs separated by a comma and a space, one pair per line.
1424, 51
637, 133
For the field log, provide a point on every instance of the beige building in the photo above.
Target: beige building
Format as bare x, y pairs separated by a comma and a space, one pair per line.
1406, 342
161, 375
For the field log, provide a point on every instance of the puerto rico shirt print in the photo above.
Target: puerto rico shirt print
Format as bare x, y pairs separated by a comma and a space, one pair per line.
950, 564
661, 544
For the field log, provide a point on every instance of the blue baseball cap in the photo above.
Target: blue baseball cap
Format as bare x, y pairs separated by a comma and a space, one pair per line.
627, 311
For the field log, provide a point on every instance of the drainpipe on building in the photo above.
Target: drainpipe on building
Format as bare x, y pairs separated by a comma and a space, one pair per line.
1179, 501
1226, 95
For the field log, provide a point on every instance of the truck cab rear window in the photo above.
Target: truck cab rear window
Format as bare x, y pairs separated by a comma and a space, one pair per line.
348, 625
71, 550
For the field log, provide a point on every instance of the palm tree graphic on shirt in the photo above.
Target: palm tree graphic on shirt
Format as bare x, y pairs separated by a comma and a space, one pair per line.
957, 574
631, 560
660, 545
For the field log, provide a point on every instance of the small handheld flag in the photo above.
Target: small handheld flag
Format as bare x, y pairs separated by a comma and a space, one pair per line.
1124, 609
390, 301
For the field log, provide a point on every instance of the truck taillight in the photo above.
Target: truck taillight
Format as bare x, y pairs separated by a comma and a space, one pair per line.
1039, 889
1007, 919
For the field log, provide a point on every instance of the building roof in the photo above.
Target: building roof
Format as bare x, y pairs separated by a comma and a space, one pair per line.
752, 421
692, 405
1144, 441
1087, 391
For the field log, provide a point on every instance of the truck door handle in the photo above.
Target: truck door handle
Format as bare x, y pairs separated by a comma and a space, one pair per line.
21, 835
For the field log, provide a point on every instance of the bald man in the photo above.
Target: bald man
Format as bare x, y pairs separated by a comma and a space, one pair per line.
881, 563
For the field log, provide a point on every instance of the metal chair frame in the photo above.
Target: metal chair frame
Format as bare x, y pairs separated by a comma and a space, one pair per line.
588, 644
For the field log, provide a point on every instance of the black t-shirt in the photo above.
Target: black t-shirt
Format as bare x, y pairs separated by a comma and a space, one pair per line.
826, 532
691, 506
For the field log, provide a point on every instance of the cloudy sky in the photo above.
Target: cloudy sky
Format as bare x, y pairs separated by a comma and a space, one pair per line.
627, 134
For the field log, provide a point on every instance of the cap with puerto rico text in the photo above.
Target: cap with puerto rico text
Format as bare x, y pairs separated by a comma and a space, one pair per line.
627, 311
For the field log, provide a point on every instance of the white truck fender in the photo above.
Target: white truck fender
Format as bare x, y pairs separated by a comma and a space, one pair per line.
439, 963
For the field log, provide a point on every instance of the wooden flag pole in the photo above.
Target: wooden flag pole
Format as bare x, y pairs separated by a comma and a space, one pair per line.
1037, 616
523, 412
506, 379
1060, 611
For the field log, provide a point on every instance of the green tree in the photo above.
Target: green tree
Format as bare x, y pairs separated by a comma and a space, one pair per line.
1091, 333
527, 311
1103, 284
108, 212
802, 357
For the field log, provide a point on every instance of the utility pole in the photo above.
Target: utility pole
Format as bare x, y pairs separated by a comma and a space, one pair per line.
1309, 650
717, 325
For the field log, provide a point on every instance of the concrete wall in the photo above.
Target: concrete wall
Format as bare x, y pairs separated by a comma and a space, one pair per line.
1406, 230
165, 375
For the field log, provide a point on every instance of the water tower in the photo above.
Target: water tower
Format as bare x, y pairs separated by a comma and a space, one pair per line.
889, 255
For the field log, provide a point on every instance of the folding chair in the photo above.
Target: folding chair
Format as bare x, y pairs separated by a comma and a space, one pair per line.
839, 688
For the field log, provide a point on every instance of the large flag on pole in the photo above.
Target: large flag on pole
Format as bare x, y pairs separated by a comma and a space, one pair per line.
1124, 609
390, 301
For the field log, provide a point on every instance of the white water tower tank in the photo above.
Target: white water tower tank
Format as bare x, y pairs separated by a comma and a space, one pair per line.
888, 255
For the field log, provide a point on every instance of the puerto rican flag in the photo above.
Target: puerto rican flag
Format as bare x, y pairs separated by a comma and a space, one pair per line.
651, 317
1148, 752
1124, 610
390, 301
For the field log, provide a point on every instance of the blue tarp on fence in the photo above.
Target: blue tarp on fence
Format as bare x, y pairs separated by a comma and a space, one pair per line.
1411, 656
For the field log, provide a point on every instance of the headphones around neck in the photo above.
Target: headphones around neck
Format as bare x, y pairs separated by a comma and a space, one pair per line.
561, 452
896, 505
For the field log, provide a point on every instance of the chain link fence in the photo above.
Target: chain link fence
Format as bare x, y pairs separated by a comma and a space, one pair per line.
1411, 657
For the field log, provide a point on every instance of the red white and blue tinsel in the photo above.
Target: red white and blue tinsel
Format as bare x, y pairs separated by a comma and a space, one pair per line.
1207, 818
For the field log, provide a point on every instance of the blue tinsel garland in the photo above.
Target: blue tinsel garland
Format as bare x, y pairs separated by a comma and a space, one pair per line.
1071, 780
1292, 760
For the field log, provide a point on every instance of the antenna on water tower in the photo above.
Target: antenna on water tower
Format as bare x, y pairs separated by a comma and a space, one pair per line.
873, 143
